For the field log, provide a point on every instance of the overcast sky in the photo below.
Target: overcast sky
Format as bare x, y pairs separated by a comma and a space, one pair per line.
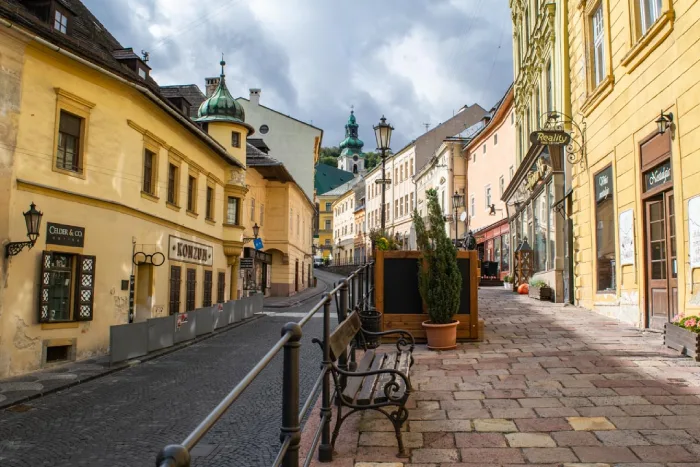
416, 61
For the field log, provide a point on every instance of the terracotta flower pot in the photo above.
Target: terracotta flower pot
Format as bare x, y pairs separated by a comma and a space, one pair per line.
441, 336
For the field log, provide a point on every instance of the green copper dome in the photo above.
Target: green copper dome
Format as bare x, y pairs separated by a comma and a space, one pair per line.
352, 144
221, 106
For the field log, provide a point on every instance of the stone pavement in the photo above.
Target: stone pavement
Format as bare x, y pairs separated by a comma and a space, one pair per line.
325, 279
549, 386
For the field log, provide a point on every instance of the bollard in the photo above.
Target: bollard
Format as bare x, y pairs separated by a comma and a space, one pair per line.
173, 455
290, 395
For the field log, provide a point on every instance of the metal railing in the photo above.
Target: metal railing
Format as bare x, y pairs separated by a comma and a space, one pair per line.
354, 292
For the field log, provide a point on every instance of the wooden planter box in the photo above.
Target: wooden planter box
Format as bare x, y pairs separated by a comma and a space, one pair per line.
686, 342
540, 293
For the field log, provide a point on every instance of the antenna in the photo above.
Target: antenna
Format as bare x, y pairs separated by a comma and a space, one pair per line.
145, 55
427, 126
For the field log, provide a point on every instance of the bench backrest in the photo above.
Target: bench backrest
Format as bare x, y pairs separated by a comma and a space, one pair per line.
343, 334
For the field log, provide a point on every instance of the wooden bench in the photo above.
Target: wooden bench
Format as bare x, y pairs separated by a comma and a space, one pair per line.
381, 380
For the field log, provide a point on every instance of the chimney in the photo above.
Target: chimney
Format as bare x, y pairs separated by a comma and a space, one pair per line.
254, 97
211, 84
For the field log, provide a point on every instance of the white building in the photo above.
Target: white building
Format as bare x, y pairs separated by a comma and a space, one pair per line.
294, 143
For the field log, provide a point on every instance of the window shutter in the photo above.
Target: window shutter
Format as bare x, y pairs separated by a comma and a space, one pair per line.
85, 288
44, 286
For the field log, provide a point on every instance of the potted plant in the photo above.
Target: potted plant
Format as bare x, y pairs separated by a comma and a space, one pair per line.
439, 279
683, 334
508, 283
540, 290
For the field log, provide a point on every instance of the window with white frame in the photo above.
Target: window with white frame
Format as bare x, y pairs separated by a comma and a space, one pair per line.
502, 184
488, 196
472, 202
597, 36
648, 12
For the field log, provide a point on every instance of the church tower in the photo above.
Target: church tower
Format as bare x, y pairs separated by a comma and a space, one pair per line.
351, 157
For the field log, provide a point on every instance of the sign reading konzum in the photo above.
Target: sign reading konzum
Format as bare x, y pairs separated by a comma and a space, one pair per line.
188, 251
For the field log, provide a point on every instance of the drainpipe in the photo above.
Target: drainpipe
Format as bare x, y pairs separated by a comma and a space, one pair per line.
138, 87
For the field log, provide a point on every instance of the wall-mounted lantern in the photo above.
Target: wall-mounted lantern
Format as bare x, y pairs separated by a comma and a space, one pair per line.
664, 122
33, 221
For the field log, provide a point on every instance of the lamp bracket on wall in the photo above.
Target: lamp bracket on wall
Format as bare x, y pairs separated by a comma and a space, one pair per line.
575, 150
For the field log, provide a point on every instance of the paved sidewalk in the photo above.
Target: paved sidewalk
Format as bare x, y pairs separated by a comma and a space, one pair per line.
549, 386
322, 286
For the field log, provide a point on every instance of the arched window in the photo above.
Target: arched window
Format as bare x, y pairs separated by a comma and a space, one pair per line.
354, 168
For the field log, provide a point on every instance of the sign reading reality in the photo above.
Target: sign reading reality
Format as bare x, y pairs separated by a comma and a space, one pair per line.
627, 237
65, 235
658, 176
603, 184
694, 231
188, 251
550, 137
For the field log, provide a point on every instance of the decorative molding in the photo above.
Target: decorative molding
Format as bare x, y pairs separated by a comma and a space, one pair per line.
653, 38
74, 98
598, 95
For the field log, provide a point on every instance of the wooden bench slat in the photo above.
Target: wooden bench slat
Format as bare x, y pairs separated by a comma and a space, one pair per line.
389, 363
343, 334
365, 395
403, 366
354, 382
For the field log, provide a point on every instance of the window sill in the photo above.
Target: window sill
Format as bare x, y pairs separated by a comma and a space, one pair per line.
210, 221
192, 214
149, 196
650, 41
237, 226
59, 325
70, 173
172, 206
598, 95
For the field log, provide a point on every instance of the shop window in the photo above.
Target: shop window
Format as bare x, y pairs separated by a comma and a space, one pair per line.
551, 235
221, 288
505, 252
539, 224
69, 151
233, 207
235, 139
497, 250
173, 183
208, 284
175, 282
192, 194
210, 203
190, 287
67, 287
605, 230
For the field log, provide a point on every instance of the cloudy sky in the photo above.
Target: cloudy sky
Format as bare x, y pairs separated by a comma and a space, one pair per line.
416, 61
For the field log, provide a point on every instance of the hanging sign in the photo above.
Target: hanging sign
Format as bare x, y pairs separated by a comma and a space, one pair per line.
627, 238
658, 176
550, 137
603, 185
258, 243
694, 231
188, 251
65, 235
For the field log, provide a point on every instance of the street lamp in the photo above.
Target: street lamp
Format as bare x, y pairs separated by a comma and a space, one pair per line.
33, 220
664, 122
457, 202
383, 134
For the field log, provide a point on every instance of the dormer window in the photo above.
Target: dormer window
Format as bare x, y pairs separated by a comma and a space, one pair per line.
60, 23
143, 73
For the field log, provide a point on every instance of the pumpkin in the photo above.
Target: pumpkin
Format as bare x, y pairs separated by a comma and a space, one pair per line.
523, 289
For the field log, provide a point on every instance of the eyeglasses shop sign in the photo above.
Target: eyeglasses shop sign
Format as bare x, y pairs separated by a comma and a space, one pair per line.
188, 251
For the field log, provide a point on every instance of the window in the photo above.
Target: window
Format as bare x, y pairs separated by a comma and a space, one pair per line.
412, 206
648, 11
401, 173
190, 285
605, 230
597, 35
396, 208
495, 139
67, 287
484, 150
210, 203
208, 285
68, 151
396, 177
252, 209
411, 167
328, 242
474, 159
473, 206
262, 214
539, 224
511, 172
512, 118
60, 22
142, 73
173, 172
405, 202
192, 194
221, 288
550, 102
502, 185
232, 209
328, 207
235, 139
175, 281
488, 196
505, 252
149, 184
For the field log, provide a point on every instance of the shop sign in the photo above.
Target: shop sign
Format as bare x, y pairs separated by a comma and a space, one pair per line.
247, 263
694, 231
258, 243
550, 138
65, 235
188, 251
658, 176
538, 172
627, 238
603, 184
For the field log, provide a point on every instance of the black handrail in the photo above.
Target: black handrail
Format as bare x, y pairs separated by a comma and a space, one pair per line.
178, 455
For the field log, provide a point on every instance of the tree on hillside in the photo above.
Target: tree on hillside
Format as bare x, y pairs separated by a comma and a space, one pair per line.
372, 159
329, 156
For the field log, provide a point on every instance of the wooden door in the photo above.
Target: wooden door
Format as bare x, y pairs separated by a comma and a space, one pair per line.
661, 272
296, 276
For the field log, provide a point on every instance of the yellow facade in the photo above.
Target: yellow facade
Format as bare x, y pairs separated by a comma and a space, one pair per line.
109, 199
648, 65
325, 225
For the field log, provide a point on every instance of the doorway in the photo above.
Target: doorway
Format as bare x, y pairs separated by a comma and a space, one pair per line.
142, 301
296, 276
662, 265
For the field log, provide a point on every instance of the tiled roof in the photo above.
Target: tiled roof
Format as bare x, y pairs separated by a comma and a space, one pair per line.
256, 158
260, 144
327, 178
190, 92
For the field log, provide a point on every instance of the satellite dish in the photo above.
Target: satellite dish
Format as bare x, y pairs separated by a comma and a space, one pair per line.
463, 217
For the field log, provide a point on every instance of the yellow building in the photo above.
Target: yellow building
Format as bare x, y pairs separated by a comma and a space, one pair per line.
634, 67
325, 225
131, 190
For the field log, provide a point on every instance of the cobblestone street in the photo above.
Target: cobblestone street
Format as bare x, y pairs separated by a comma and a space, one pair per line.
125, 418
549, 386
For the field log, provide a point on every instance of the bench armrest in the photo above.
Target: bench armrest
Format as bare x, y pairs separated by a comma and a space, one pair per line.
389, 388
406, 339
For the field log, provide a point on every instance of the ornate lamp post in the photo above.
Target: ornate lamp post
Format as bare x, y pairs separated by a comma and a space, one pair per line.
383, 134
457, 202
33, 220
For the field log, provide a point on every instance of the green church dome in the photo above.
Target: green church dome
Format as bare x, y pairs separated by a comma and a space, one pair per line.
221, 106
352, 144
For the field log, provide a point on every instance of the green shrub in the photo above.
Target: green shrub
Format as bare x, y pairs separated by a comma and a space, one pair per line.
538, 283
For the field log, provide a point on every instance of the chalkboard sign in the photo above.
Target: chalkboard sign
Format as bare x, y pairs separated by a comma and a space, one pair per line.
464, 297
401, 295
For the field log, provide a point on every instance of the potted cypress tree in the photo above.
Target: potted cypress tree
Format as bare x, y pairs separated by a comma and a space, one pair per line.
439, 279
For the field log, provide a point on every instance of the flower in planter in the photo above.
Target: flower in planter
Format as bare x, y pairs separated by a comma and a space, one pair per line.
691, 323
676, 319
